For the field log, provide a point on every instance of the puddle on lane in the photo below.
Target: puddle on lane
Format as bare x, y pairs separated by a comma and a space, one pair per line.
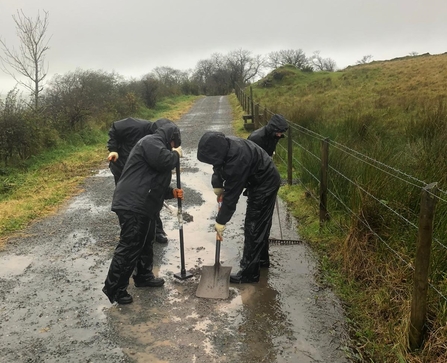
12, 265
273, 321
264, 322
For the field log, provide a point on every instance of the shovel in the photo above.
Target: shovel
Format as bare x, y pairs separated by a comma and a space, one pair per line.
215, 280
183, 274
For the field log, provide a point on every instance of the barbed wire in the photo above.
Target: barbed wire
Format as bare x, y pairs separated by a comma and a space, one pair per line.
406, 263
305, 131
306, 150
371, 230
374, 198
380, 166
370, 161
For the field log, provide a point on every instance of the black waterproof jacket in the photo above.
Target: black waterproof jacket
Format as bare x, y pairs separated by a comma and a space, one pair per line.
123, 135
266, 137
237, 164
145, 181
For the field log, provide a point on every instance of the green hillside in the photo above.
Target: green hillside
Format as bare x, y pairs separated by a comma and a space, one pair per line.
379, 107
391, 89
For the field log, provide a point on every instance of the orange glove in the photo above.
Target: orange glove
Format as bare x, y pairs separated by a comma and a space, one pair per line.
177, 193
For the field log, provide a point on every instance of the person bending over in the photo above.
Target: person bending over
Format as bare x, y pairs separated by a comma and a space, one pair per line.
238, 164
137, 200
123, 135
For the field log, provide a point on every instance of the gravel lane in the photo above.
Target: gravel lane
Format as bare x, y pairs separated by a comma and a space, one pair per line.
52, 308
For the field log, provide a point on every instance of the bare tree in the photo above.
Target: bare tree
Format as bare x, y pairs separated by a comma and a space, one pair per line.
365, 59
203, 74
294, 57
29, 60
150, 92
218, 60
73, 99
170, 80
219, 74
323, 64
243, 66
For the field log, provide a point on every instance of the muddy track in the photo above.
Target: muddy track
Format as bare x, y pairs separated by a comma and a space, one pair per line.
52, 308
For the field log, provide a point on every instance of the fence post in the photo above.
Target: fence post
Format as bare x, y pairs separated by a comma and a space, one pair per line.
421, 266
289, 155
251, 102
256, 116
324, 215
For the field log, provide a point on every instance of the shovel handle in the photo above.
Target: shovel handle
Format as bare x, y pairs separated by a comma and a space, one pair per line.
217, 257
179, 186
218, 238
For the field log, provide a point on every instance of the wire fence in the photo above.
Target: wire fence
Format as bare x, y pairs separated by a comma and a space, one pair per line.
361, 192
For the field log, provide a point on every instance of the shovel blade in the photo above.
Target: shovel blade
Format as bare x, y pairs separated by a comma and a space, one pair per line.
214, 282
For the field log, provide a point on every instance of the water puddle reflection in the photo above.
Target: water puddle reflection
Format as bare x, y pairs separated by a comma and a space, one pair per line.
13, 265
84, 203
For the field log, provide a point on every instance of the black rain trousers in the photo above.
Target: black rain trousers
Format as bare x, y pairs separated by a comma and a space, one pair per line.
258, 222
134, 253
116, 171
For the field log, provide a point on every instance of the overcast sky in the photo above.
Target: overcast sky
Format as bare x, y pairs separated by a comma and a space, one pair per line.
132, 37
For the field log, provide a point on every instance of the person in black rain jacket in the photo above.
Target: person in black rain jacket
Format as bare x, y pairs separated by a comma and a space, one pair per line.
123, 135
268, 136
137, 200
239, 164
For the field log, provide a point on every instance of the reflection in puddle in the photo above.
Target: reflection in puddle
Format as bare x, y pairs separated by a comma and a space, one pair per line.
202, 326
13, 265
104, 173
84, 203
254, 316
176, 294
264, 322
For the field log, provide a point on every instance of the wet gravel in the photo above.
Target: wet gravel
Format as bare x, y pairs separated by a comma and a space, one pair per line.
52, 308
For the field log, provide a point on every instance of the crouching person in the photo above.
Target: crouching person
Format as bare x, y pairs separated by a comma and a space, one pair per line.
239, 164
137, 201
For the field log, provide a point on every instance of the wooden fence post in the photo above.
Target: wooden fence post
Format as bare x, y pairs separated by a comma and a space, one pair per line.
324, 215
256, 116
421, 266
289, 155
251, 102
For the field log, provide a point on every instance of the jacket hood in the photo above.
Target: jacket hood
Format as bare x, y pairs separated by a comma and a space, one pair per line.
213, 148
159, 123
277, 123
169, 131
